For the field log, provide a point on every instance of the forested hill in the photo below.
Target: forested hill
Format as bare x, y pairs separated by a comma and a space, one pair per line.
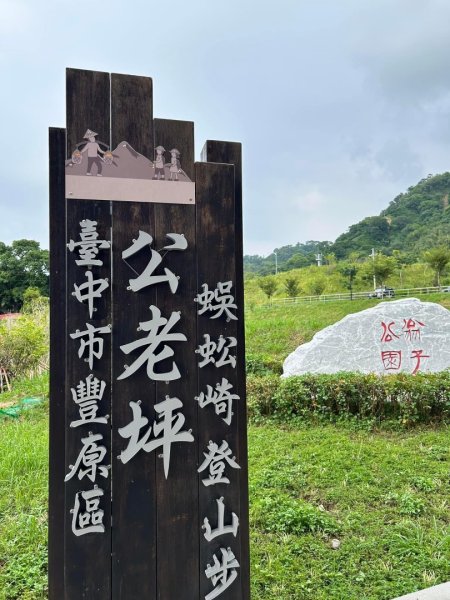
412, 223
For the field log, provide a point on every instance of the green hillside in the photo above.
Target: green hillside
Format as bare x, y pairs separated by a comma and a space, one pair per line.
412, 223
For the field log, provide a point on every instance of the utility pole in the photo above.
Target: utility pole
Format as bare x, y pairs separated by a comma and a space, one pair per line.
373, 260
319, 259
276, 263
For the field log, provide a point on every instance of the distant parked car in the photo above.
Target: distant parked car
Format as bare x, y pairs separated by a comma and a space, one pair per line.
446, 288
384, 292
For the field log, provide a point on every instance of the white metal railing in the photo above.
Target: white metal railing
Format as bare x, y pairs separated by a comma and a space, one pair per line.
402, 292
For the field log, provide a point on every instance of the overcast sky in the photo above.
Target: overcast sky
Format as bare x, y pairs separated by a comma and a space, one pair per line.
340, 104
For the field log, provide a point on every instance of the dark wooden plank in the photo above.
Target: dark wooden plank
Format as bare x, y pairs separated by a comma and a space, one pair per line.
180, 135
134, 496
132, 110
86, 577
177, 496
134, 486
87, 106
216, 263
231, 153
57, 211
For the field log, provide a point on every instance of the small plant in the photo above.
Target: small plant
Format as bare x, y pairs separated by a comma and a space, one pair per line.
408, 503
425, 484
282, 514
268, 285
292, 287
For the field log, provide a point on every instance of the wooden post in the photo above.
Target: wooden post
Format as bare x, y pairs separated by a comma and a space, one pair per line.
164, 519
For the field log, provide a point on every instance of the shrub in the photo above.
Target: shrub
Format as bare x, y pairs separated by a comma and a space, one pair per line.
260, 393
283, 514
257, 364
24, 341
407, 399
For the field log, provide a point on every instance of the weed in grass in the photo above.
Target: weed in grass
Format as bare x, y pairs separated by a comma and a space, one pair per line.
408, 504
426, 484
282, 514
436, 452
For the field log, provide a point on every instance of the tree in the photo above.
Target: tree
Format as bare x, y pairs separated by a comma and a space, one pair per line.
268, 285
23, 264
349, 272
317, 286
381, 267
298, 261
438, 259
292, 287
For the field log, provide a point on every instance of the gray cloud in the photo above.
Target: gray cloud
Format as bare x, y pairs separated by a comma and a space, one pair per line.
340, 106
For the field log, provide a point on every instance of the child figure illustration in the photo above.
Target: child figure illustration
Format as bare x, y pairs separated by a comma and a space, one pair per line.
93, 150
159, 163
175, 166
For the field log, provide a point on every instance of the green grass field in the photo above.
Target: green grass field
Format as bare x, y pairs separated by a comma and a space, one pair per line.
275, 331
384, 495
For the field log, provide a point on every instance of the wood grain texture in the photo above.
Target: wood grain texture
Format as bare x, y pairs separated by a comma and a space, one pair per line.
231, 153
87, 557
216, 263
177, 496
132, 112
85, 576
87, 106
180, 135
57, 211
134, 551
134, 497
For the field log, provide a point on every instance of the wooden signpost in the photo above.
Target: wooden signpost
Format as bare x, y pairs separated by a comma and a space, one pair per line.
148, 452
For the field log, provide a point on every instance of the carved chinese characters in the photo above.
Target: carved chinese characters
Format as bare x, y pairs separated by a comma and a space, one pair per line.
411, 331
151, 359
397, 336
164, 432
91, 463
159, 332
218, 398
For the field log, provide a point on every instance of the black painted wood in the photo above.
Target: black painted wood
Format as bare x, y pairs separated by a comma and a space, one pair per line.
216, 263
86, 577
231, 153
134, 551
132, 112
171, 134
177, 496
153, 546
134, 501
87, 106
87, 557
57, 210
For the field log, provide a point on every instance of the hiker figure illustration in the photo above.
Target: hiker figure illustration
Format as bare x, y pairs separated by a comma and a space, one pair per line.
93, 151
159, 163
175, 165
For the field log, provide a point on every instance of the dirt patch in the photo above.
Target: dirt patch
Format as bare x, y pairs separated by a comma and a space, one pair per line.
6, 404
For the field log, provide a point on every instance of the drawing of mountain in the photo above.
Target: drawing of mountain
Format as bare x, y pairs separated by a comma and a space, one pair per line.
125, 163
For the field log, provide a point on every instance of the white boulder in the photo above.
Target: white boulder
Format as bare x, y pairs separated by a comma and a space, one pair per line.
397, 336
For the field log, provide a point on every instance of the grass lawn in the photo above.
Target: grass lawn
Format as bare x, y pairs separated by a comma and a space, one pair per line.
383, 496
23, 499
276, 331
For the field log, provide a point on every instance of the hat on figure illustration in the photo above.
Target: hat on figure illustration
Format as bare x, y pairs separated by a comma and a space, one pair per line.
89, 134
160, 149
175, 151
